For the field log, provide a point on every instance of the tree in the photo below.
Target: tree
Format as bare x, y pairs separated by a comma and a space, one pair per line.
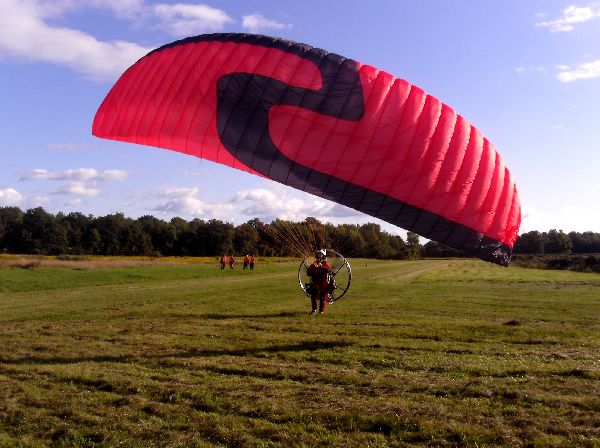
77, 226
183, 236
43, 233
245, 238
162, 235
122, 236
350, 240
557, 242
133, 239
219, 237
92, 241
530, 243
374, 244
414, 247
398, 247
435, 249
11, 228
585, 243
108, 228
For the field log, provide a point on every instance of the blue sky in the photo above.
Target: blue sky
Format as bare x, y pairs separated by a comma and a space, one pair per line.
526, 73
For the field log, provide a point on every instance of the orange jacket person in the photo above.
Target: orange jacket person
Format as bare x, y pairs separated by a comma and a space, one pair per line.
231, 262
252, 261
223, 261
246, 261
319, 273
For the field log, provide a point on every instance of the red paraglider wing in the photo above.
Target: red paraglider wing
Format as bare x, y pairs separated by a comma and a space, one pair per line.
323, 124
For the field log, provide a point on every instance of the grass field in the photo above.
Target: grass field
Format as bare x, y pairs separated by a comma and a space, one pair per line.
430, 353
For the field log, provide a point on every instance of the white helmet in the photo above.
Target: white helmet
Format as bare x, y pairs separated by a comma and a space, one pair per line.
321, 253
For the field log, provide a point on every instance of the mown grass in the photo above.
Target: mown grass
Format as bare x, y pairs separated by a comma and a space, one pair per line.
431, 353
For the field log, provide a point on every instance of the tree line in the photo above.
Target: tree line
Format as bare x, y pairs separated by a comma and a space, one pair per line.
38, 232
558, 242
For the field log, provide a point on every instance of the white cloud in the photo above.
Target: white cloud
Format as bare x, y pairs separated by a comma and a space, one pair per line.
78, 174
572, 15
256, 203
77, 188
74, 202
179, 192
39, 201
122, 8
530, 68
265, 203
10, 197
79, 181
257, 22
584, 71
25, 33
113, 175
182, 19
192, 173
186, 201
68, 146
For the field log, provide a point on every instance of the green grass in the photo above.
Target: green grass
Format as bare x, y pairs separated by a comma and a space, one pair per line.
430, 353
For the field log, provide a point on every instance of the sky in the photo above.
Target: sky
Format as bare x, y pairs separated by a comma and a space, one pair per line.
526, 73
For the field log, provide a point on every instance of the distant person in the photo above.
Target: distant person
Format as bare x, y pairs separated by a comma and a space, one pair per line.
246, 261
223, 261
252, 261
319, 273
231, 262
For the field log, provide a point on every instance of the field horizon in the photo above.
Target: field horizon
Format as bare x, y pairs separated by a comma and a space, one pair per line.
445, 352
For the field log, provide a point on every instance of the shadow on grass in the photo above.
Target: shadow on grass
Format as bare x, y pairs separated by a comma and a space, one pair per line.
225, 316
310, 346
